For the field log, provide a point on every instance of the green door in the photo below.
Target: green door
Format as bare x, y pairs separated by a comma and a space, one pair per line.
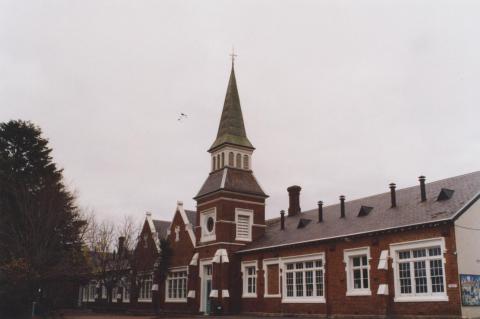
208, 303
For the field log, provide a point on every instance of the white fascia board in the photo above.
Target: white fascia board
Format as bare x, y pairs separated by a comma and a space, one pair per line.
153, 231
188, 226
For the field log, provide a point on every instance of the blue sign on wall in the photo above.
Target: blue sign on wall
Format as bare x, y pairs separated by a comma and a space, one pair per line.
470, 285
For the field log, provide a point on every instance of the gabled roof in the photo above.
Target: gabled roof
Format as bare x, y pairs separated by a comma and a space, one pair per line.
231, 129
192, 216
233, 180
410, 211
161, 227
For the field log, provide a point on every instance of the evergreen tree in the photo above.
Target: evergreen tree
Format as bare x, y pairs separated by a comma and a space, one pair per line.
40, 227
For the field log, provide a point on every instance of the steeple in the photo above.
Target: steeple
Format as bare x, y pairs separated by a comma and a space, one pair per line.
231, 129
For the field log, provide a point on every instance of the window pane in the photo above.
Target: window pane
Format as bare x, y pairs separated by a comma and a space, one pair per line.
365, 278
405, 280
417, 253
299, 283
364, 261
436, 273
356, 261
309, 283
420, 277
290, 284
404, 254
436, 251
357, 279
319, 282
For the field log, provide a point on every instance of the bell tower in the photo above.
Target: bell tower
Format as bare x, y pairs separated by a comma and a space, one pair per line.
230, 204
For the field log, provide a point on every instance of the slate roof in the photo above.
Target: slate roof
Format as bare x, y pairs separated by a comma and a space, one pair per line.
161, 227
409, 211
231, 129
235, 180
192, 216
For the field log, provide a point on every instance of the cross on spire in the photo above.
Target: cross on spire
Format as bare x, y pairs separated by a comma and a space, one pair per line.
233, 55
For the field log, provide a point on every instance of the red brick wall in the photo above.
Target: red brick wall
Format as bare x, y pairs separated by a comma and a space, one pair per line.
335, 278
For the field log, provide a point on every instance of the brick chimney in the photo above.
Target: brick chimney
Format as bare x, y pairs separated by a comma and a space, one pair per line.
294, 200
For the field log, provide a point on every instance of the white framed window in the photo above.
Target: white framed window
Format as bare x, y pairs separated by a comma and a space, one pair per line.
304, 278
271, 270
176, 285
92, 291
243, 221
357, 267
126, 289
419, 270
104, 291
208, 220
249, 276
145, 294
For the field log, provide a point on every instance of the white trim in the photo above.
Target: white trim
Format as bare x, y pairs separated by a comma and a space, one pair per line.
206, 236
383, 261
244, 266
302, 258
409, 245
231, 200
348, 254
153, 231
343, 236
201, 268
265, 264
194, 260
188, 225
221, 256
244, 212
221, 243
382, 289
224, 177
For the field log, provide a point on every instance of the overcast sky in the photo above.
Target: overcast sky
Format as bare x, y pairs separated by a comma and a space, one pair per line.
339, 97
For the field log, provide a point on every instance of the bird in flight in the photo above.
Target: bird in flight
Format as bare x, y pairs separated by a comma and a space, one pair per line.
182, 117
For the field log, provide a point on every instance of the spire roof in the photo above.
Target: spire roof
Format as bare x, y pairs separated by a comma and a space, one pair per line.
231, 129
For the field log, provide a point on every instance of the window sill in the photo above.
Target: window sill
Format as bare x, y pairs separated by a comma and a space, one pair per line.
176, 300
144, 300
421, 298
272, 296
359, 293
207, 239
243, 239
304, 300
249, 296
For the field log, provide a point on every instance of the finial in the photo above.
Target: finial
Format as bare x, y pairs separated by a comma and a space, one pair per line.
233, 55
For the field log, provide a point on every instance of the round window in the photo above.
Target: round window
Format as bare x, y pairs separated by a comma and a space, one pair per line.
210, 224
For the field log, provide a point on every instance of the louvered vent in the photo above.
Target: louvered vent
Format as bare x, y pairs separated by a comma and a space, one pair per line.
243, 227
